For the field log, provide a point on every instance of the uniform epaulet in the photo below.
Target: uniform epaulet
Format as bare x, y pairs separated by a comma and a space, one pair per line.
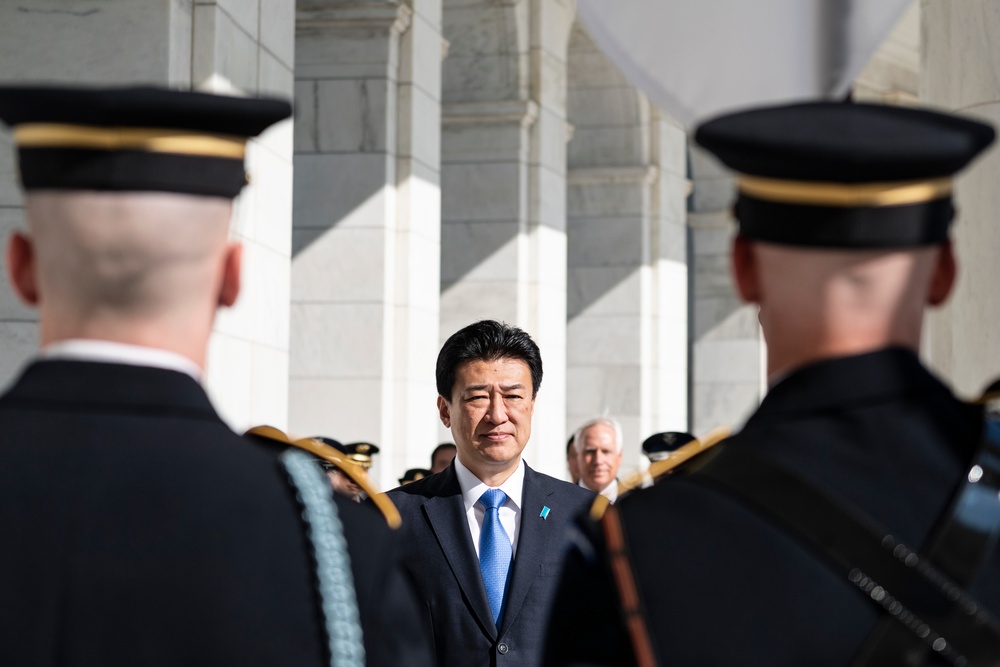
660, 468
347, 467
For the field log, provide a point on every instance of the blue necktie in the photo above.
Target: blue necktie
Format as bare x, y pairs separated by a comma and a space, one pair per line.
495, 552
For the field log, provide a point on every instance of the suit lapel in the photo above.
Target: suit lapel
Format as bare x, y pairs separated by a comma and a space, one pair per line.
446, 514
535, 537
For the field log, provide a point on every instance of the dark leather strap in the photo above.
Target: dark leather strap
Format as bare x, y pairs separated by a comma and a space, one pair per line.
958, 546
628, 593
935, 611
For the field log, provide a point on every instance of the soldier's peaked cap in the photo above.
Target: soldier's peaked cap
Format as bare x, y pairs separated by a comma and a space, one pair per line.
134, 139
844, 175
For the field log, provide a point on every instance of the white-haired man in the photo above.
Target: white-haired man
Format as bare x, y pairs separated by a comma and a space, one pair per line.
598, 444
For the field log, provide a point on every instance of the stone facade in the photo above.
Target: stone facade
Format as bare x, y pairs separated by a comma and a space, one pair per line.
627, 266
461, 159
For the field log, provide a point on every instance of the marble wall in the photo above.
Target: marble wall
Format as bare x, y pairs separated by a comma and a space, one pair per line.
503, 192
959, 51
727, 349
366, 239
627, 257
228, 46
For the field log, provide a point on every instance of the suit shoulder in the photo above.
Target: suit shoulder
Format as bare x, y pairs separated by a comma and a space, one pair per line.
565, 490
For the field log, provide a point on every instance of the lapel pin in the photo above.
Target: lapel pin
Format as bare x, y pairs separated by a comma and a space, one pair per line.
545, 513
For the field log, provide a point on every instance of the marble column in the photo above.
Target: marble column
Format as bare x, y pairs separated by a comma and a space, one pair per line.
627, 264
503, 236
227, 47
728, 355
366, 239
958, 73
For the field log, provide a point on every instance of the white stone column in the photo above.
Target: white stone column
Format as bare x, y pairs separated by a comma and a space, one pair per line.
728, 373
225, 46
504, 186
627, 314
959, 54
366, 228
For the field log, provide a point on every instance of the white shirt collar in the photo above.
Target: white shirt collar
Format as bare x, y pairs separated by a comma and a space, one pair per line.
473, 488
610, 491
121, 353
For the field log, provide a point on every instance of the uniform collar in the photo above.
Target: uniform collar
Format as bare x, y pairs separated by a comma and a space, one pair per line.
104, 351
859, 379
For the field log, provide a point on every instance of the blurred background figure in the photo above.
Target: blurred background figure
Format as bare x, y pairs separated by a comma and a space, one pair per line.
572, 464
359, 453
598, 445
442, 457
660, 446
413, 474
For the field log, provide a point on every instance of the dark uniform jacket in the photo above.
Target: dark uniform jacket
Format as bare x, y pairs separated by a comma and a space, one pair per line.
724, 586
442, 559
138, 529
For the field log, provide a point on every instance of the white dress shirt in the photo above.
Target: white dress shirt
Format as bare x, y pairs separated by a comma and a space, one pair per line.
610, 491
510, 512
104, 351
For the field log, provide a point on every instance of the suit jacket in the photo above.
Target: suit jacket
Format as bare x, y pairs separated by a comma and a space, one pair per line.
443, 563
722, 584
140, 530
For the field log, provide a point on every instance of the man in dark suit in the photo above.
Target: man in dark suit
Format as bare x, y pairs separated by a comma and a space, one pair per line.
793, 543
139, 529
485, 537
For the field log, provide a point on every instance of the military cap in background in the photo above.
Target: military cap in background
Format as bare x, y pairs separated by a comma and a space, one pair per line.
413, 474
843, 175
360, 452
134, 139
336, 444
660, 445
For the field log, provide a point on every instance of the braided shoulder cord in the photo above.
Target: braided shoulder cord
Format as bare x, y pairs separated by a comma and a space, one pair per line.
333, 563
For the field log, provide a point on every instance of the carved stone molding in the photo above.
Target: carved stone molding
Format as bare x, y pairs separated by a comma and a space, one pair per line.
635, 175
393, 18
524, 112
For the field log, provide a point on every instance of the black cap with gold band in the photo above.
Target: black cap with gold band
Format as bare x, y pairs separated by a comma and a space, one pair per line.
134, 139
361, 453
842, 175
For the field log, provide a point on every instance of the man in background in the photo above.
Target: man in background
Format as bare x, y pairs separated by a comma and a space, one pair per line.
598, 445
572, 462
442, 456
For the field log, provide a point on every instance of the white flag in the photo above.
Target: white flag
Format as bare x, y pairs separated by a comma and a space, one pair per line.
698, 58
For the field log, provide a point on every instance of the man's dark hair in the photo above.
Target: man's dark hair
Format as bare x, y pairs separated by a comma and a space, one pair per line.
486, 340
442, 446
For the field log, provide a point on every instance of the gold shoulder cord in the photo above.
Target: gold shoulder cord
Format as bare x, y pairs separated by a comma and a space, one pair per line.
658, 469
349, 468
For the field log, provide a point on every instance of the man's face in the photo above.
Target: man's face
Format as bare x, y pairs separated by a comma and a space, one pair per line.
442, 459
341, 483
489, 413
599, 456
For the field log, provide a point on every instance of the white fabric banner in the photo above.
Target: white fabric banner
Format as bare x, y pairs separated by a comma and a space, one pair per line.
699, 58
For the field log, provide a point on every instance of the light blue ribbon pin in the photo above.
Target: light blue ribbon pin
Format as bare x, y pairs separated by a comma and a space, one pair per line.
545, 513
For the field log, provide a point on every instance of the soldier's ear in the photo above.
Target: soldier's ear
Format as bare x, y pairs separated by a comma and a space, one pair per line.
745, 274
444, 412
945, 273
21, 268
230, 288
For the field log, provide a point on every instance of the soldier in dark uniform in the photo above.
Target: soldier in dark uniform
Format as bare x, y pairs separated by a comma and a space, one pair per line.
139, 529
824, 532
